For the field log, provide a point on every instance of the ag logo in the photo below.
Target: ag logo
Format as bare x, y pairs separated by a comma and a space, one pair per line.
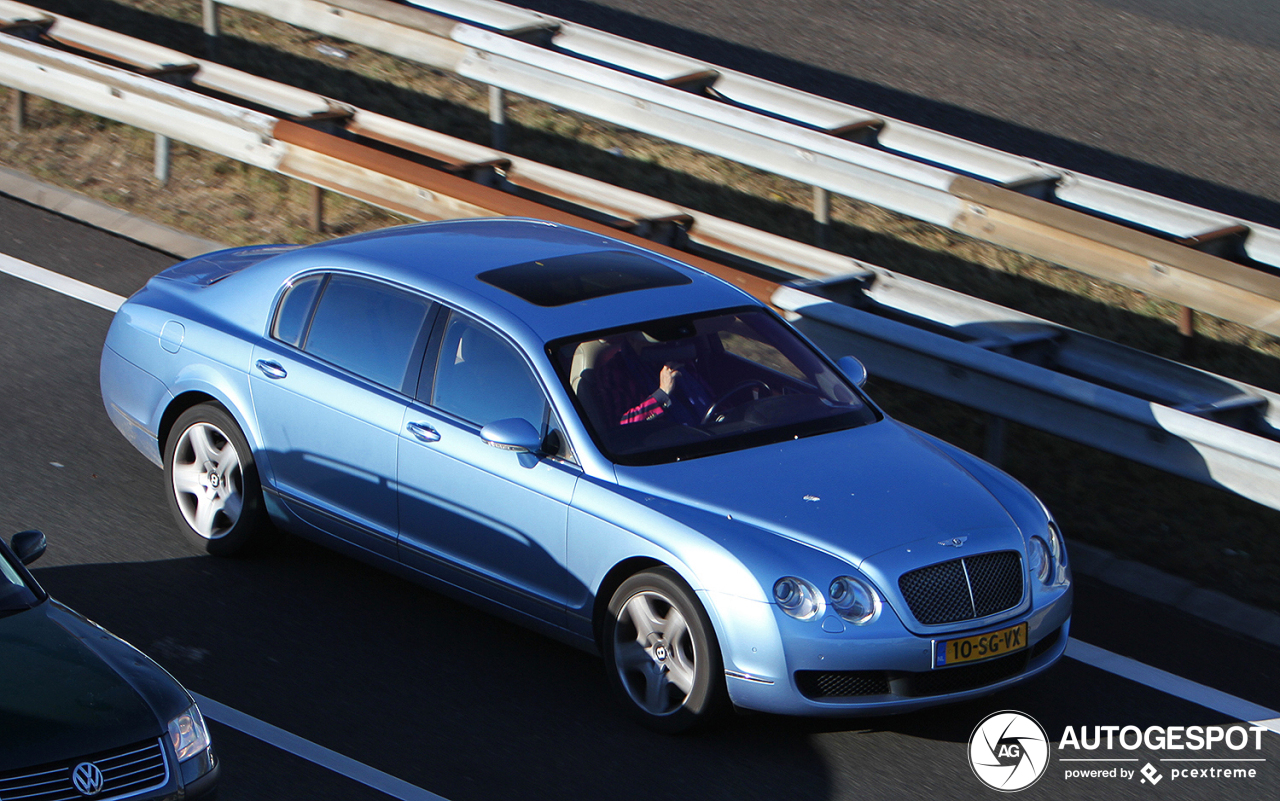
1008, 751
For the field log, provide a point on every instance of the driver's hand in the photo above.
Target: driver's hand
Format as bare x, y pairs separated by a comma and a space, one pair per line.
667, 378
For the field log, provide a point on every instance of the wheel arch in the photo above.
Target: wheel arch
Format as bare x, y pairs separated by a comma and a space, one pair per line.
175, 409
610, 584
195, 396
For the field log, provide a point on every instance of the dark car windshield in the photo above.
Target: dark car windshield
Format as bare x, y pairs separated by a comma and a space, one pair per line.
736, 379
14, 592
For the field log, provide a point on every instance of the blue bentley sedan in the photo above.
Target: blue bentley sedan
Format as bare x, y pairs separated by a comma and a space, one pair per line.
599, 442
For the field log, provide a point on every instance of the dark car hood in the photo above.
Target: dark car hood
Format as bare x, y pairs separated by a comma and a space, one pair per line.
59, 697
852, 493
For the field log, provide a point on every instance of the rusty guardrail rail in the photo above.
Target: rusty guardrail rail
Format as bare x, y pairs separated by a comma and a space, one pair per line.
1009, 365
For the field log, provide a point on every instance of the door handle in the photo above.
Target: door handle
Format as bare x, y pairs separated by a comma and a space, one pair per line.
424, 432
271, 369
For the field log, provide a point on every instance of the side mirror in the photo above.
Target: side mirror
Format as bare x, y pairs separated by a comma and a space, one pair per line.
28, 546
512, 434
853, 370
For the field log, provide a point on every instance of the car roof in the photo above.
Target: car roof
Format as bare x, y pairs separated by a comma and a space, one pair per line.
507, 270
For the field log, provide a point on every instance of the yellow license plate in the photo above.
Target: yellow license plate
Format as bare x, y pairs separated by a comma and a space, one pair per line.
980, 646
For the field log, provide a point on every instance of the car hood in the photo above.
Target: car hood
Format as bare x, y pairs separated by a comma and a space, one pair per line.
59, 698
854, 493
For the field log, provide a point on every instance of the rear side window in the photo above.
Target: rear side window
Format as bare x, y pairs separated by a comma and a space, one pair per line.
295, 310
367, 328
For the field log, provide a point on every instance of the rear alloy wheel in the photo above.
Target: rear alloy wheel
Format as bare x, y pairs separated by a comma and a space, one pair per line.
212, 481
661, 652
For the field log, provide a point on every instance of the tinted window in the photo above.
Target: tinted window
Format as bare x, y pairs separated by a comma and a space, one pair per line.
14, 592
582, 276
367, 328
685, 387
295, 310
481, 378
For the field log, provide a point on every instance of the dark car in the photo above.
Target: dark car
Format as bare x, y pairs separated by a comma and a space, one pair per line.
82, 712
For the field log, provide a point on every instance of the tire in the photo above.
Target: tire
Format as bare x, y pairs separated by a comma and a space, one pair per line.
661, 653
211, 481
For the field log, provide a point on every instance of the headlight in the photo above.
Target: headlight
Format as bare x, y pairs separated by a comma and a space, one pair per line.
853, 599
1041, 560
1057, 547
189, 734
797, 598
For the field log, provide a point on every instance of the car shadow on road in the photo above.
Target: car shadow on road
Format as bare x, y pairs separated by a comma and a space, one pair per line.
426, 689
469, 706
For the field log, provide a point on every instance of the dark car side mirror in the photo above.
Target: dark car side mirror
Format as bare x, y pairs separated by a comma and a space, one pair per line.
853, 370
28, 546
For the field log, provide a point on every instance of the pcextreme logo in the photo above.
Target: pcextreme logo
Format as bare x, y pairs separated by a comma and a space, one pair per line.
1008, 751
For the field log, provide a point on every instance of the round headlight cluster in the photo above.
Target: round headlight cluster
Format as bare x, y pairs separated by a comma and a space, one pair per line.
1057, 548
798, 598
1048, 555
853, 599
1041, 560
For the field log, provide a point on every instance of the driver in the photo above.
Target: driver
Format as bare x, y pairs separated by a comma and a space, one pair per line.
658, 401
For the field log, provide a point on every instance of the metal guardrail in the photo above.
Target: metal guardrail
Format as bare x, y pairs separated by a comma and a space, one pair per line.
1010, 365
1202, 260
1163, 414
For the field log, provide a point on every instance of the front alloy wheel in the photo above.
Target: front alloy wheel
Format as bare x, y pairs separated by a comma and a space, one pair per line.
213, 484
661, 652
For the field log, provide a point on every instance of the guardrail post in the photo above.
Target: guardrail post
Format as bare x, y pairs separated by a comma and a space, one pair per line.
497, 118
317, 209
1187, 329
162, 159
210, 9
17, 110
995, 440
821, 216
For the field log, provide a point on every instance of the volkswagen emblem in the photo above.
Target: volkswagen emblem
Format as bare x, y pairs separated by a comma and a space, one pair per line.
87, 778
954, 542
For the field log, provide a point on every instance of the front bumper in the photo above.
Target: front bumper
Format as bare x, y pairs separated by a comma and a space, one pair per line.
883, 669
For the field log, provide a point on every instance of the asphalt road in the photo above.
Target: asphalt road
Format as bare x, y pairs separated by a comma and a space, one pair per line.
1178, 97
455, 701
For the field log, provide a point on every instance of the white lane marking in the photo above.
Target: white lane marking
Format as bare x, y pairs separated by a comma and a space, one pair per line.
318, 754
1176, 686
60, 283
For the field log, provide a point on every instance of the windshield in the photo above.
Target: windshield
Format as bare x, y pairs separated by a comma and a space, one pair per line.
14, 592
686, 387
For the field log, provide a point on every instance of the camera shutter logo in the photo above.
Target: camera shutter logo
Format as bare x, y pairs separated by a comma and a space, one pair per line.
1009, 751
87, 778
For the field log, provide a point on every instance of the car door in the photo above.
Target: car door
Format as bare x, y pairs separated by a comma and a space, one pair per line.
329, 394
489, 520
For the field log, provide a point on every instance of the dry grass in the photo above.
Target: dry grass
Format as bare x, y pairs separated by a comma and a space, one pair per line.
1211, 537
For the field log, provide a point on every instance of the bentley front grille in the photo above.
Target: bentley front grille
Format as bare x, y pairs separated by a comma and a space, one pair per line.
968, 588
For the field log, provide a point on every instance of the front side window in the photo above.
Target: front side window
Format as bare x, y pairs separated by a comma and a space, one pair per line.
686, 387
367, 328
14, 592
482, 378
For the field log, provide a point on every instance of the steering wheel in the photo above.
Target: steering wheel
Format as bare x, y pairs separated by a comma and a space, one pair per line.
720, 401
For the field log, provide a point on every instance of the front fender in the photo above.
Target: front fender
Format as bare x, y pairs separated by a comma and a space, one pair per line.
731, 565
